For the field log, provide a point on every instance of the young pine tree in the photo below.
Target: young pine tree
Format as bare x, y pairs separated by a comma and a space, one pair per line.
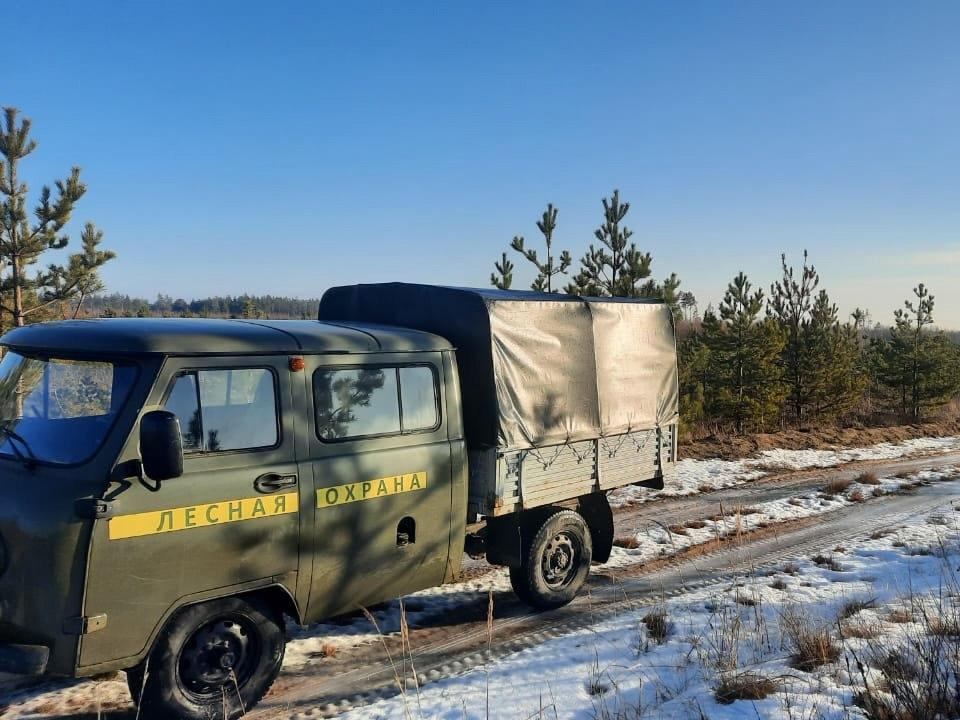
920, 366
832, 361
551, 266
613, 267
23, 243
791, 301
694, 362
502, 278
618, 268
743, 385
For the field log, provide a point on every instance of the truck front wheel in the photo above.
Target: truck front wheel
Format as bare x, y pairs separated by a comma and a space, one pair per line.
555, 562
214, 660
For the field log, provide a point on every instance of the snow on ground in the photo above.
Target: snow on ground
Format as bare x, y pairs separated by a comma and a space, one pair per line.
694, 476
620, 669
308, 645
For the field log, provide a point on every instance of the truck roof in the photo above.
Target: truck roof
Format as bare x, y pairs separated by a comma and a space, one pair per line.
193, 336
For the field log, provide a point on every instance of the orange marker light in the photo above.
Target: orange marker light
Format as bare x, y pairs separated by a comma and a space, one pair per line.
297, 364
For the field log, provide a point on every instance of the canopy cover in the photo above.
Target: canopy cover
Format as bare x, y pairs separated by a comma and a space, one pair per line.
536, 369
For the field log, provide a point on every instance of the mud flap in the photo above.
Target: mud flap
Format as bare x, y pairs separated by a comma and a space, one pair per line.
595, 509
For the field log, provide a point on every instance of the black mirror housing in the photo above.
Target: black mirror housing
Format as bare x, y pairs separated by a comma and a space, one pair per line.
161, 445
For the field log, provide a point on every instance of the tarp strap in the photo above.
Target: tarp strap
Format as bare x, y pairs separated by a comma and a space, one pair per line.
622, 440
535, 452
641, 446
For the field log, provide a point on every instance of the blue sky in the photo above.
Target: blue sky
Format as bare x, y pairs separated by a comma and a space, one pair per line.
285, 147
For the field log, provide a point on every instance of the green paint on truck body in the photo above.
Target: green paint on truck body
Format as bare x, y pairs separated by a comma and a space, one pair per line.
158, 547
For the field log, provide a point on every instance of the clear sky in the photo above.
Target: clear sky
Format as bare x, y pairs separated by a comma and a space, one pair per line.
284, 147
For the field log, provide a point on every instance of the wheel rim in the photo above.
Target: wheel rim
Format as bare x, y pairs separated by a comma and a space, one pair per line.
221, 654
561, 560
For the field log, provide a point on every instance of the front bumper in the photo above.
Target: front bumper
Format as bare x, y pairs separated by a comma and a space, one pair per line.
24, 659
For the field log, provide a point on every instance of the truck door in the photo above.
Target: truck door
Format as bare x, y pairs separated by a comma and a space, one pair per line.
230, 521
382, 475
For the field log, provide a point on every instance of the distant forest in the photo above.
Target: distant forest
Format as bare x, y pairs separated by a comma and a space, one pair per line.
220, 306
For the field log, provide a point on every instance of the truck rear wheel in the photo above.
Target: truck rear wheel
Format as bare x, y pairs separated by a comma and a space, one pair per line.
555, 563
215, 660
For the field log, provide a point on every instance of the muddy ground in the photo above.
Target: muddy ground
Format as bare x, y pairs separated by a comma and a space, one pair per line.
731, 447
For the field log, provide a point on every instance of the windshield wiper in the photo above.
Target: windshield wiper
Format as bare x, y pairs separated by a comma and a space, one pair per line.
13, 437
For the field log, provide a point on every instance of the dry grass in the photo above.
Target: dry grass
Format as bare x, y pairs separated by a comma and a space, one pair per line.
328, 650
779, 584
813, 644
853, 607
796, 502
857, 496
868, 478
744, 686
678, 530
696, 524
657, 624
627, 543
900, 616
878, 534
860, 630
944, 627
791, 568
837, 486
828, 562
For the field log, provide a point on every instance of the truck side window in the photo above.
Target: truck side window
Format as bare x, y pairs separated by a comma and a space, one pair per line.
222, 410
183, 402
355, 402
418, 398
360, 402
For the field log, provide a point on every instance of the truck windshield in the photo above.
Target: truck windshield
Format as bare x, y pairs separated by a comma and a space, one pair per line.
56, 410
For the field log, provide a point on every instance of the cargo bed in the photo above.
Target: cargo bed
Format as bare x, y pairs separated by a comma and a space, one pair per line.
505, 482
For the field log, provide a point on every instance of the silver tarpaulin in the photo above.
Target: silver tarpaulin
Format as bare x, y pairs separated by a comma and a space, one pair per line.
536, 369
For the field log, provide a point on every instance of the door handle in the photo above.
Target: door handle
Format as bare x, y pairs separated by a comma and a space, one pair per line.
272, 482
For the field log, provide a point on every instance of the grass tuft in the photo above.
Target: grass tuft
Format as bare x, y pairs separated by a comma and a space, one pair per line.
828, 562
813, 644
852, 607
744, 686
657, 624
837, 486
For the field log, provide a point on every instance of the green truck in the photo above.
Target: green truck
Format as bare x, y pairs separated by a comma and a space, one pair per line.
172, 490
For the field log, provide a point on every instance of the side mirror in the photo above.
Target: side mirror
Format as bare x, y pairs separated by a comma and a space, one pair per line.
161, 445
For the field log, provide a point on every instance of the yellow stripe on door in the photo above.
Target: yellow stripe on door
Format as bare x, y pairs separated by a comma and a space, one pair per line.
195, 516
371, 489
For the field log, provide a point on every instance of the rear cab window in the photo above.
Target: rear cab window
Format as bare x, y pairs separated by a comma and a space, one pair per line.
375, 401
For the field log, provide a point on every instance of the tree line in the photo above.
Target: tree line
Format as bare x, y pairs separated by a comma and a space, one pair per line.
228, 306
761, 361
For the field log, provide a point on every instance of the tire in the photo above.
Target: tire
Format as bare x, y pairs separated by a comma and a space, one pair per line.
556, 561
214, 661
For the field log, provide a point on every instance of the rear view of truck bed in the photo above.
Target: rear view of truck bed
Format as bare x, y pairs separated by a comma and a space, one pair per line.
562, 396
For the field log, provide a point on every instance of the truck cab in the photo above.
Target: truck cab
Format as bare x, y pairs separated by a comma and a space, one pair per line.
153, 469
